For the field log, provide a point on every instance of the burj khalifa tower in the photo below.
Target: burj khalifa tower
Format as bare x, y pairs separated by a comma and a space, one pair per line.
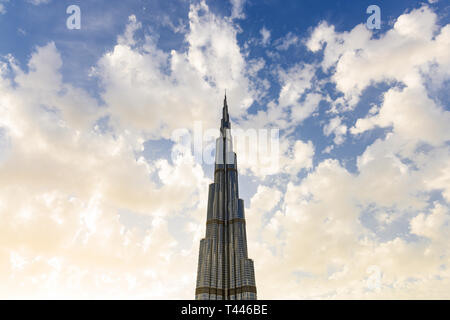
224, 270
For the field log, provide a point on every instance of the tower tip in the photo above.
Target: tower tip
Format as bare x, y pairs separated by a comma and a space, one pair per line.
225, 116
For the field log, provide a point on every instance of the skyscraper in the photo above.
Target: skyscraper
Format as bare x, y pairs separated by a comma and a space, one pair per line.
224, 270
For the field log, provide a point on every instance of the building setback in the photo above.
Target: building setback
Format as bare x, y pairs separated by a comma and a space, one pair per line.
224, 270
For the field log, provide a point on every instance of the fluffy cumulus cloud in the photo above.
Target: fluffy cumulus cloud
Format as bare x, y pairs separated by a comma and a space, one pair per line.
63, 184
142, 82
350, 235
85, 214
414, 45
327, 250
337, 128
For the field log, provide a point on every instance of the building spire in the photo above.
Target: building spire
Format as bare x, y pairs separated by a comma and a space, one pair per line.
225, 115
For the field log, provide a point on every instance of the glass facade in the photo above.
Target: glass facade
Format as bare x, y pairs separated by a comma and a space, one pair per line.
224, 270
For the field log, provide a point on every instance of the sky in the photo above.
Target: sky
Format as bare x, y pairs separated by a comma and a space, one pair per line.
100, 198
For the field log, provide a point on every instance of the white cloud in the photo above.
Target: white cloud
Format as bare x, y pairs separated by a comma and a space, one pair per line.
399, 55
127, 39
212, 64
300, 157
412, 114
265, 36
303, 110
294, 82
237, 9
337, 128
435, 225
265, 199
261, 204
64, 182
320, 235
287, 41
328, 149
325, 246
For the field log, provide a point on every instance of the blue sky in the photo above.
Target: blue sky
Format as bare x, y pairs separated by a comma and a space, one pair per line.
104, 20
87, 119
